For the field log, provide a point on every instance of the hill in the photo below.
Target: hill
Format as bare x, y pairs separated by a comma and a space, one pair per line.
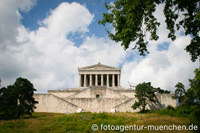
54, 122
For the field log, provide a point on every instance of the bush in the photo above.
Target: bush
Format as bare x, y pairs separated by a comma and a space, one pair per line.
169, 107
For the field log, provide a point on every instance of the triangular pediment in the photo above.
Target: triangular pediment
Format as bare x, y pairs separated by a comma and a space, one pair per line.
99, 66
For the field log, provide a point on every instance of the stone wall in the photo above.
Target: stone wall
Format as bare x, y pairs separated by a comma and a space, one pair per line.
62, 95
165, 100
86, 100
51, 103
82, 94
129, 94
103, 92
96, 104
162, 101
126, 106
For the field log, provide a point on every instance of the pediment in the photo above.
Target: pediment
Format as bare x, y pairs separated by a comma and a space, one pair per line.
99, 66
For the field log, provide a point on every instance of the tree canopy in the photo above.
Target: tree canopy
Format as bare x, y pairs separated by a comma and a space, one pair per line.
133, 19
17, 99
191, 96
189, 100
144, 94
179, 93
195, 85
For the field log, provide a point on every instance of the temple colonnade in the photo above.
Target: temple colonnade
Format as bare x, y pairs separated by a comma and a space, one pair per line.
99, 75
108, 80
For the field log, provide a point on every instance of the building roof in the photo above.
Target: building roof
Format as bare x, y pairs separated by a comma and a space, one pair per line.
99, 66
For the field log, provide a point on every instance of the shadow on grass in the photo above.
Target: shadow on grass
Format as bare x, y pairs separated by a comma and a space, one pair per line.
144, 111
7, 117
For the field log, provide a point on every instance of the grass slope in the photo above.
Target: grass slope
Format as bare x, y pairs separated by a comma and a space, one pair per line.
53, 122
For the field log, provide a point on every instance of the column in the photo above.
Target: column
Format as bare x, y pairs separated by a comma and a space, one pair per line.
80, 80
118, 80
113, 80
84, 80
96, 80
101, 79
107, 80
90, 79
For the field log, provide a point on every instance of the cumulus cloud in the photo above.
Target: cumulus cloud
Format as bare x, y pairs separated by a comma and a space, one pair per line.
9, 23
68, 18
10, 19
49, 59
163, 67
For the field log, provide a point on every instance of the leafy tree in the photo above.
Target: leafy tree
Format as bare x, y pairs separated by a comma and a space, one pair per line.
8, 102
194, 98
180, 93
195, 86
159, 90
189, 97
192, 95
17, 99
145, 93
25, 91
189, 101
133, 19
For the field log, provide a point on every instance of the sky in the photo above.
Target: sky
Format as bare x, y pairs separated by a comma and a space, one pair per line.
46, 41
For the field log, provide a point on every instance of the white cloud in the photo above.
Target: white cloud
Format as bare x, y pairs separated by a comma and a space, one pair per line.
9, 22
164, 68
10, 19
68, 18
50, 60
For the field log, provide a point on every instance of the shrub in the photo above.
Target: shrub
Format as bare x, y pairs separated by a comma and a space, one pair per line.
169, 107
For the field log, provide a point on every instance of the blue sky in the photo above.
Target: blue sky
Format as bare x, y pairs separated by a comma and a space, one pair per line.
42, 9
46, 41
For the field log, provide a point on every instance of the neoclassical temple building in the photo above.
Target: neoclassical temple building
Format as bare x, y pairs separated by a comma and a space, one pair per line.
99, 91
99, 75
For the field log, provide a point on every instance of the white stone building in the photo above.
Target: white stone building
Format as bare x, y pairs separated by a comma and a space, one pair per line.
99, 75
99, 91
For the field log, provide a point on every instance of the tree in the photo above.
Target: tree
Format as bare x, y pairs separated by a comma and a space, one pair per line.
145, 93
17, 99
8, 102
195, 86
25, 91
189, 101
133, 19
189, 97
159, 90
192, 95
180, 93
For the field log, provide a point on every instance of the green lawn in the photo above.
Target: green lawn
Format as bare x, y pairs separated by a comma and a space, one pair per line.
54, 122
